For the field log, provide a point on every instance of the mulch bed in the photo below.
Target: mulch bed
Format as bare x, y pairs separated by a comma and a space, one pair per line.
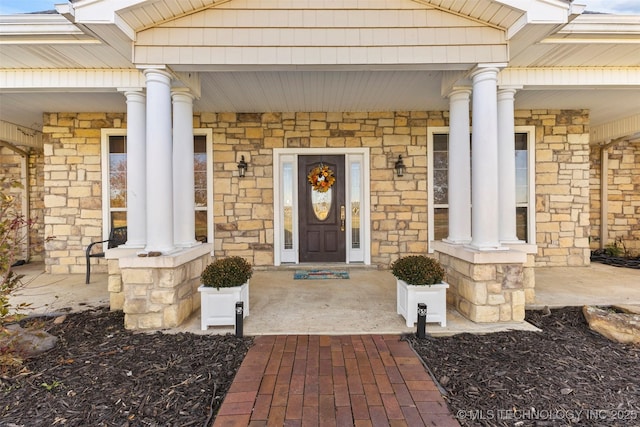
99, 374
102, 375
564, 375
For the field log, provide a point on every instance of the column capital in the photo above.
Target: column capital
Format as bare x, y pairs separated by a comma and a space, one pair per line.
459, 92
157, 74
488, 73
182, 93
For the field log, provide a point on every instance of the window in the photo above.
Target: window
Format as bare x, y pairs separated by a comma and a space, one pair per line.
115, 181
117, 201
438, 153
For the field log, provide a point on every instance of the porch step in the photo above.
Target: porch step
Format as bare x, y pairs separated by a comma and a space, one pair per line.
314, 266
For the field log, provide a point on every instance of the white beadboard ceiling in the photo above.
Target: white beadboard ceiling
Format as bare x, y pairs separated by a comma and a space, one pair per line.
587, 41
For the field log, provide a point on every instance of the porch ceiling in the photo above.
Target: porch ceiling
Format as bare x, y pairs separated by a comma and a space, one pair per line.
254, 91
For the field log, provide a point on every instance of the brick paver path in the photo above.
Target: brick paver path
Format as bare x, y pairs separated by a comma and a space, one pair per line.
368, 380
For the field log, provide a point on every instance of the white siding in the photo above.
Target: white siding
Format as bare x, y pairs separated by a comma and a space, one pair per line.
317, 32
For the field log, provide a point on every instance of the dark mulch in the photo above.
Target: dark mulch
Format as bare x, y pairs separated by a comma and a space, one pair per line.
99, 374
564, 375
102, 375
603, 257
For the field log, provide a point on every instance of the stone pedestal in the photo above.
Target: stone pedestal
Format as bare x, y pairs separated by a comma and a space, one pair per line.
487, 286
157, 292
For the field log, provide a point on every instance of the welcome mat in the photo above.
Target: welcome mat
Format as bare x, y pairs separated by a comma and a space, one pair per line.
320, 274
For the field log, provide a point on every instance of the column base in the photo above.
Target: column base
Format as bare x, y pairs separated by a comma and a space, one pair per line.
486, 248
457, 241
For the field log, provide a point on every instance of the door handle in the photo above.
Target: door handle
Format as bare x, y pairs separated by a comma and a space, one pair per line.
343, 216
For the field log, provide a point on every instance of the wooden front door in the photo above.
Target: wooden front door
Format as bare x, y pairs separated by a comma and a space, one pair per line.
322, 214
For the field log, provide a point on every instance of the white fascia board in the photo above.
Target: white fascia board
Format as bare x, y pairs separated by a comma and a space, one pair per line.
90, 12
555, 12
59, 80
621, 128
36, 25
570, 77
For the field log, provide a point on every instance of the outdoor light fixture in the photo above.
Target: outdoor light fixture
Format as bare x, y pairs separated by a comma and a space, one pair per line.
400, 168
242, 167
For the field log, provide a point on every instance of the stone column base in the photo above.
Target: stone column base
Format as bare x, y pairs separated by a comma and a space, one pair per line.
487, 286
157, 292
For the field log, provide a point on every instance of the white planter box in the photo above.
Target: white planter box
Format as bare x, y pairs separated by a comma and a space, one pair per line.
434, 296
218, 306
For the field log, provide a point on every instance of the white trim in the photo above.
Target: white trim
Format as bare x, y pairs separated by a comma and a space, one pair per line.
531, 182
208, 133
73, 79
106, 189
430, 205
280, 155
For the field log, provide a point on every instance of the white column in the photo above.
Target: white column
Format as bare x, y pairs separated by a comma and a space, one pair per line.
183, 180
136, 170
507, 166
159, 162
459, 168
484, 162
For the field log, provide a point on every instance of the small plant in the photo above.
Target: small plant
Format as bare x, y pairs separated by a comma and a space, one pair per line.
418, 270
226, 272
54, 385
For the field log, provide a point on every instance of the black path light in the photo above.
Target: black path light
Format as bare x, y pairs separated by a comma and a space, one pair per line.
400, 167
422, 320
239, 318
242, 167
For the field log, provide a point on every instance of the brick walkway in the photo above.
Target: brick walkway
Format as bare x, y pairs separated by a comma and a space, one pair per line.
367, 380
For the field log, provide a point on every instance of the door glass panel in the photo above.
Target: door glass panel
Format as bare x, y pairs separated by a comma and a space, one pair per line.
287, 195
321, 202
355, 205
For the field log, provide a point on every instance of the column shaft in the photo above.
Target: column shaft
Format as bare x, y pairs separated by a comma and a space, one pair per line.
484, 175
459, 168
136, 170
159, 162
183, 179
507, 166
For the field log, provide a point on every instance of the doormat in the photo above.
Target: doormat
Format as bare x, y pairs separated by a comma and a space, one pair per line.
320, 274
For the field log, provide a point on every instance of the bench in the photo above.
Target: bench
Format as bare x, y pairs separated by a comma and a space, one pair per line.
117, 237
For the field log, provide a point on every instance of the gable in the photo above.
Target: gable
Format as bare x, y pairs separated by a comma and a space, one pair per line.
281, 33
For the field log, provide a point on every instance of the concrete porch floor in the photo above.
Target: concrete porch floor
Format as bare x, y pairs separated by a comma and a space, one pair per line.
363, 304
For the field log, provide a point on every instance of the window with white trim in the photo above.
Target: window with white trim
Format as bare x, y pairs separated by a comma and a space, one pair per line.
438, 153
114, 183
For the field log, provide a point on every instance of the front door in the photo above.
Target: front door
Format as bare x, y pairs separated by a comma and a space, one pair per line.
321, 192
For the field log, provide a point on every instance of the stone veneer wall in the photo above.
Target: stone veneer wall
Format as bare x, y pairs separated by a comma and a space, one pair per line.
562, 185
623, 183
156, 292
73, 187
243, 208
11, 168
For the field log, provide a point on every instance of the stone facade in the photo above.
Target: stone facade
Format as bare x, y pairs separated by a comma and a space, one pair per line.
158, 292
73, 187
562, 185
243, 209
486, 287
11, 168
623, 184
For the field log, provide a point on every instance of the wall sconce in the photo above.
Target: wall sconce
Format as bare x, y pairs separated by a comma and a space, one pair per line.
400, 167
242, 167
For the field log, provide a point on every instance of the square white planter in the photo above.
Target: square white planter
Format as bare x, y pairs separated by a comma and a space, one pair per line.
218, 306
434, 296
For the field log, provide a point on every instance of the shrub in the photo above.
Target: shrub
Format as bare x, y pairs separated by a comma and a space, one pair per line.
226, 272
418, 270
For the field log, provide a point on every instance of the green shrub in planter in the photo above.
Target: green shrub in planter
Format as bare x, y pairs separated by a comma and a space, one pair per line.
418, 270
226, 272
